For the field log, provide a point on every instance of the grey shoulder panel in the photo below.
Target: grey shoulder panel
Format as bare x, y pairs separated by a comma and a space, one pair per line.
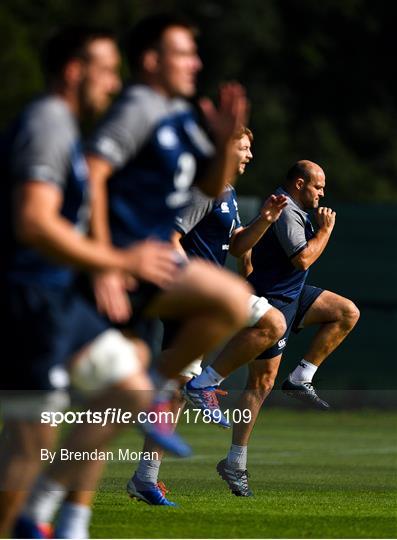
200, 206
128, 124
43, 144
290, 229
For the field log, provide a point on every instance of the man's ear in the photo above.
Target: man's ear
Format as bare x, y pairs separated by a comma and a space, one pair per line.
73, 72
150, 61
299, 183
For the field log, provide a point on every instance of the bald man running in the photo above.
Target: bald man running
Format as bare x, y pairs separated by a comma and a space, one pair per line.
280, 264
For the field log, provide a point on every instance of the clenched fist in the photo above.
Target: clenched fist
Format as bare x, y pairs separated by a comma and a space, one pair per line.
326, 218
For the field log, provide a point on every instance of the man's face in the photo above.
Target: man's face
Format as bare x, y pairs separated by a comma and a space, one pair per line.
243, 153
178, 62
101, 79
313, 190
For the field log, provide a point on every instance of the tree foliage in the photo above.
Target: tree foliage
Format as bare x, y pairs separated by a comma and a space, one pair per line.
320, 77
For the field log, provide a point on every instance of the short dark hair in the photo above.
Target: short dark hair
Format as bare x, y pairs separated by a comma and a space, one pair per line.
67, 43
147, 34
300, 169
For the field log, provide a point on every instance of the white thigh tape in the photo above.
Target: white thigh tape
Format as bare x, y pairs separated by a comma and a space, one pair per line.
258, 307
109, 359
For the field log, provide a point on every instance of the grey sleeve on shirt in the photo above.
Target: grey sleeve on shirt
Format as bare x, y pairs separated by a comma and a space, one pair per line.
42, 148
290, 231
123, 131
200, 206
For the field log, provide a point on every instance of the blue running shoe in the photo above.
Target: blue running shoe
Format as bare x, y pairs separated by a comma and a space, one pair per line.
206, 400
153, 494
304, 391
25, 527
162, 430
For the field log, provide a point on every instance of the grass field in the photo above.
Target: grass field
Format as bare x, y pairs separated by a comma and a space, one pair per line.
314, 475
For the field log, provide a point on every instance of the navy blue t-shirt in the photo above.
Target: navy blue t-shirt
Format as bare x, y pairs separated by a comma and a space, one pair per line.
157, 149
274, 275
43, 146
208, 224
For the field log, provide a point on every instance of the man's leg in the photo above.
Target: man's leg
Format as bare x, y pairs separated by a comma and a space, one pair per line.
21, 442
111, 368
245, 346
75, 513
240, 350
261, 376
336, 316
144, 484
212, 304
249, 342
233, 469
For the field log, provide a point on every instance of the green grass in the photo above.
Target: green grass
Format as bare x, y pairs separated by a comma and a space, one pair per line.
314, 475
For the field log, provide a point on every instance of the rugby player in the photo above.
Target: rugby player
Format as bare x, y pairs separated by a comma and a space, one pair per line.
44, 215
143, 160
281, 261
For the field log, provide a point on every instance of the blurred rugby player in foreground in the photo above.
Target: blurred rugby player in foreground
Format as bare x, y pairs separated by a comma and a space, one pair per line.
45, 210
143, 160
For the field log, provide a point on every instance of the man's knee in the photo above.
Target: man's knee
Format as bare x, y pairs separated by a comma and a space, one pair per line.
110, 359
261, 386
349, 314
271, 327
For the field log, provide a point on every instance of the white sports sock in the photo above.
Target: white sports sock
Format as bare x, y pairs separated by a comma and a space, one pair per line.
165, 388
148, 470
44, 501
237, 457
209, 377
73, 521
303, 372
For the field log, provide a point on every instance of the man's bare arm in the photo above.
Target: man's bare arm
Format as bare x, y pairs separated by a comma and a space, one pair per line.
38, 223
175, 239
99, 172
244, 264
245, 238
316, 245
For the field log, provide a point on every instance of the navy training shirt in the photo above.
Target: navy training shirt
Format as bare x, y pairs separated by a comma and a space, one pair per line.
42, 145
157, 149
207, 225
274, 274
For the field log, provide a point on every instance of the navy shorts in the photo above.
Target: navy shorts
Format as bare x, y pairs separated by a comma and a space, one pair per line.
294, 312
138, 325
44, 327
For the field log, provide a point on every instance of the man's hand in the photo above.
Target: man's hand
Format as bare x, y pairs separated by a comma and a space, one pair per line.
154, 261
231, 114
110, 289
272, 208
325, 218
